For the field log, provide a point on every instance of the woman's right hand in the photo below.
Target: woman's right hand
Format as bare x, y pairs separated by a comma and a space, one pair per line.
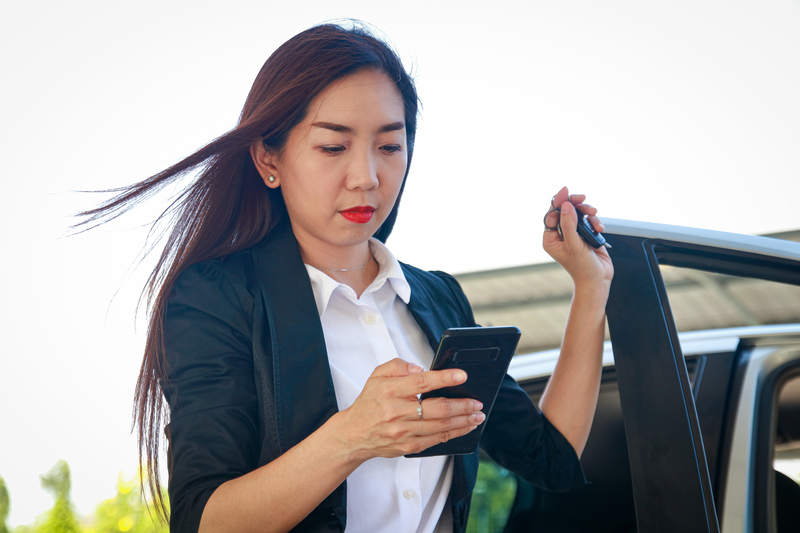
383, 421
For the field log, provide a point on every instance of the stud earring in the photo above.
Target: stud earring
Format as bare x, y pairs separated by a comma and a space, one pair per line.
271, 179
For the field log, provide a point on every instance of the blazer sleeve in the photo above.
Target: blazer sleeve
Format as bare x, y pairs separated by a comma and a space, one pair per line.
521, 439
517, 435
210, 388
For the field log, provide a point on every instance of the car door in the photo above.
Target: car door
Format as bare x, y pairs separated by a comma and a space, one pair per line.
669, 468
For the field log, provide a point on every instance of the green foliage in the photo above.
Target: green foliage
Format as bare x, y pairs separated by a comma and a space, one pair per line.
492, 499
60, 518
57, 481
126, 512
5, 505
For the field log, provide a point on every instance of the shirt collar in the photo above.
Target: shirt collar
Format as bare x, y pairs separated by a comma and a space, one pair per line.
389, 269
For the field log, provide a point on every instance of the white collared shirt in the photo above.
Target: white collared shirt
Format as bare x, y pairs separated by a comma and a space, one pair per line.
383, 495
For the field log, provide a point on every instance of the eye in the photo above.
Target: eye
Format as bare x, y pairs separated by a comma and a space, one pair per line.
391, 148
332, 148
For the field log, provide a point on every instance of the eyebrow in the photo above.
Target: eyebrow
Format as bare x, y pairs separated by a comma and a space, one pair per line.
394, 126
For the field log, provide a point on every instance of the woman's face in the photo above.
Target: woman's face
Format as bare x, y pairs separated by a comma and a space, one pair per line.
343, 165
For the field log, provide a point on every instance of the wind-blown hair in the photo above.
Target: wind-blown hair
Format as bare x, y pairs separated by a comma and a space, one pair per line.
228, 207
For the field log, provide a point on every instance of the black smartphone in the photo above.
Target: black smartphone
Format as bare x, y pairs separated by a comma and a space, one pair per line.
484, 354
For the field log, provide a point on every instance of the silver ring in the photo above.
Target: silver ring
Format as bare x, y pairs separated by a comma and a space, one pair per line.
419, 409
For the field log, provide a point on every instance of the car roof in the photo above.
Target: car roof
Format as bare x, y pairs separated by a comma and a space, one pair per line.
718, 239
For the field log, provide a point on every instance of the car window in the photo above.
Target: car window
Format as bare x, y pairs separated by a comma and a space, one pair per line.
703, 300
786, 456
787, 438
707, 300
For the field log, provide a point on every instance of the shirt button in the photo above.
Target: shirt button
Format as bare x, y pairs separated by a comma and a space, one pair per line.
369, 319
408, 494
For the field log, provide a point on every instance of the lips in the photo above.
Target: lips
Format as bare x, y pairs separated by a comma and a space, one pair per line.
359, 215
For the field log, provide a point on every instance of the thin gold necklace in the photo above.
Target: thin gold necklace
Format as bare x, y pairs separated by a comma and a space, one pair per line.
347, 269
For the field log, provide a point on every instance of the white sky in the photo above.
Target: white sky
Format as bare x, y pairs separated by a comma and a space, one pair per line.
681, 112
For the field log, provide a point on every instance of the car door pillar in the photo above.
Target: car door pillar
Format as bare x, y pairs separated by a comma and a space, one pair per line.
672, 486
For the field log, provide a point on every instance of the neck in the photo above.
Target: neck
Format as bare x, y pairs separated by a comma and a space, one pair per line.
353, 266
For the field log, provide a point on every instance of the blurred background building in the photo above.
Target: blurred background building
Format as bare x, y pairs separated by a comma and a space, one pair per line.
536, 299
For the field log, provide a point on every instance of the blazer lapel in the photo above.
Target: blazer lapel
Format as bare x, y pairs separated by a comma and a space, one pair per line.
434, 317
304, 396
424, 309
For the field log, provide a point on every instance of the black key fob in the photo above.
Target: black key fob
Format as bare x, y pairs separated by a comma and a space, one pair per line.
585, 230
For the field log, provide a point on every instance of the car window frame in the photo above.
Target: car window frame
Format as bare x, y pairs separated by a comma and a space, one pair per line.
637, 260
774, 376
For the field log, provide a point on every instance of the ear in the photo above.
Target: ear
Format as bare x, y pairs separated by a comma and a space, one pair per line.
265, 160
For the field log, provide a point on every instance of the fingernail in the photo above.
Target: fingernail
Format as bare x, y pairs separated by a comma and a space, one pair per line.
473, 428
477, 406
479, 417
414, 369
460, 376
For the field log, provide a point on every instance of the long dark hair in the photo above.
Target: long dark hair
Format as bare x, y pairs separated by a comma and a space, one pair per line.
228, 207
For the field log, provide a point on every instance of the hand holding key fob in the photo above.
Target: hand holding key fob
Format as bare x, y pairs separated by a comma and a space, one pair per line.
585, 229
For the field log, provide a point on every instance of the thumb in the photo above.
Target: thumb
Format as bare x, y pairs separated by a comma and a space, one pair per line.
569, 219
569, 225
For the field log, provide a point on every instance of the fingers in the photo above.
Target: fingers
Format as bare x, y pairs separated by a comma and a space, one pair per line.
564, 196
553, 217
560, 197
439, 408
441, 414
576, 199
428, 381
399, 379
442, 422
591, 214
387, 420
586, 209
440, 425
597, 224
424, 442
458, 424
396, 368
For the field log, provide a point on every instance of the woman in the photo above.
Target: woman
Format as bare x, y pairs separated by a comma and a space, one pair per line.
290, 345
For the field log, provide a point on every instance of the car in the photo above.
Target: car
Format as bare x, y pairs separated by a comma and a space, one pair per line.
694, 430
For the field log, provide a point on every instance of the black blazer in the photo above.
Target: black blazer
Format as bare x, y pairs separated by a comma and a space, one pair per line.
248, 378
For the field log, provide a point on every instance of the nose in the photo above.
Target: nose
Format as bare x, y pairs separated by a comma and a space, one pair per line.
363, 171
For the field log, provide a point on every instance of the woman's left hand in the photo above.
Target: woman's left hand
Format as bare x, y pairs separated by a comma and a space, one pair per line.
586, 265
570, 398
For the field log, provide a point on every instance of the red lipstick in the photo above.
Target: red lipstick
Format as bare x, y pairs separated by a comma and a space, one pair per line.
359, 215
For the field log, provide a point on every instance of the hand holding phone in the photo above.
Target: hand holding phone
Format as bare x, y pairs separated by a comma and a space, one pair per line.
484, 354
